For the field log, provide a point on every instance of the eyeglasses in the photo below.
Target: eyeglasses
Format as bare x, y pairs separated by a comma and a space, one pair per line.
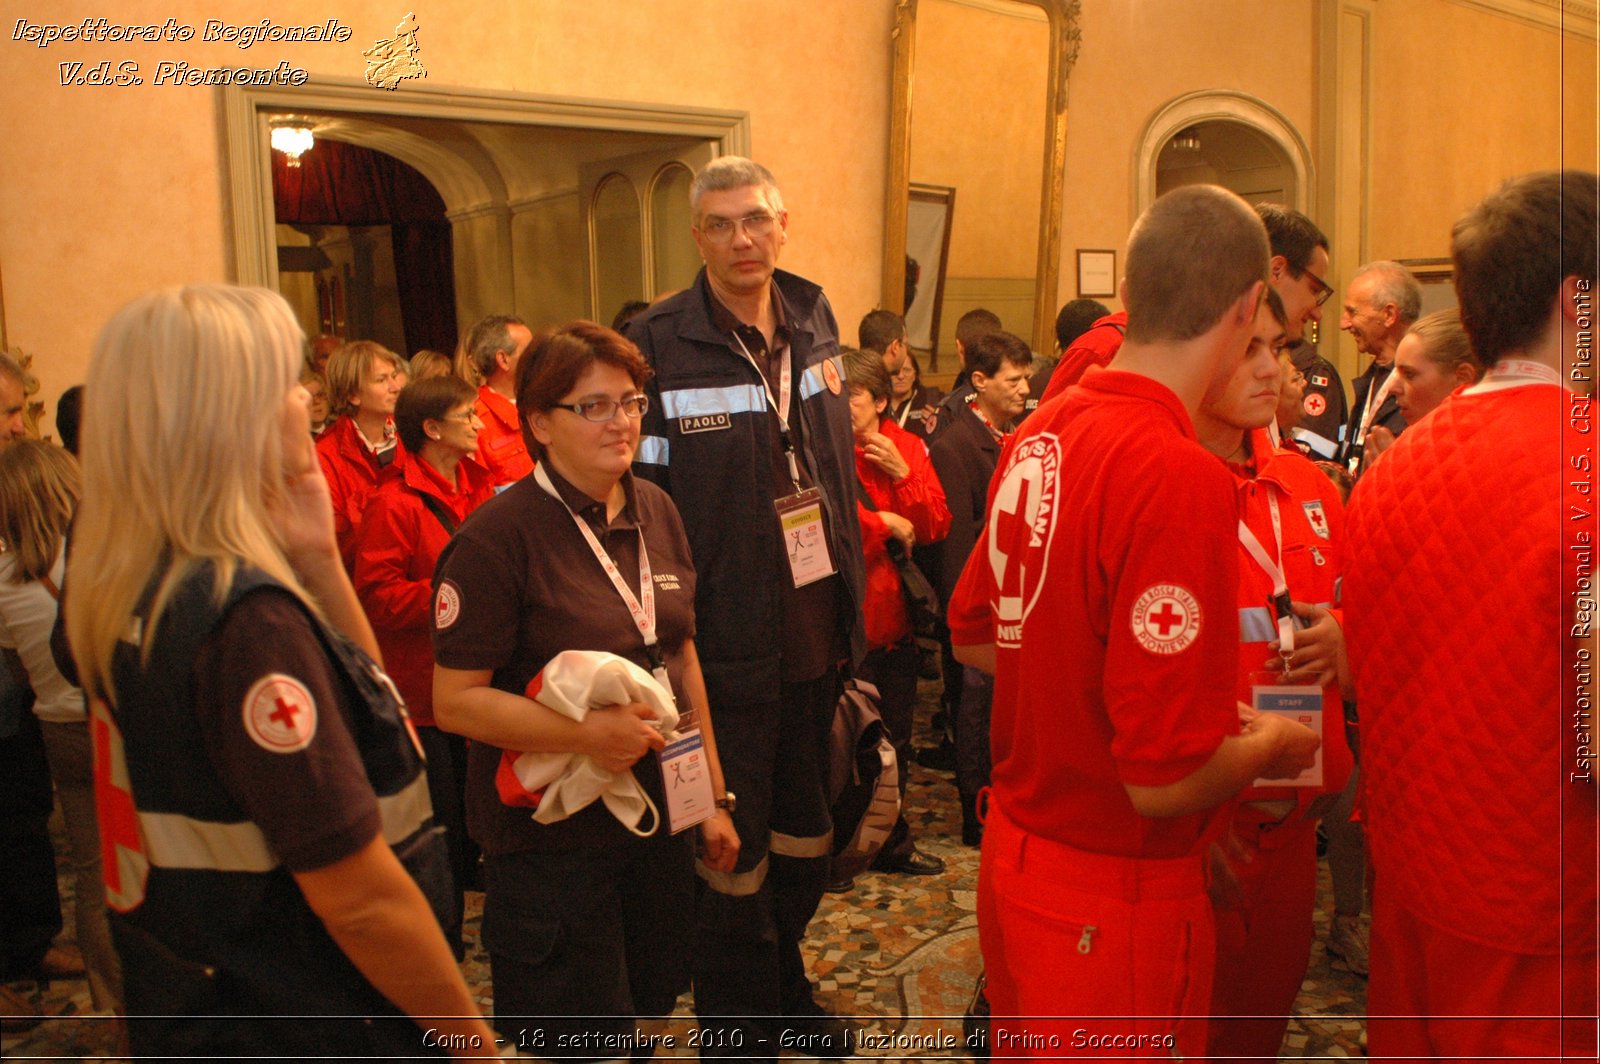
721, 230
1324, 292
604, 408
470, 417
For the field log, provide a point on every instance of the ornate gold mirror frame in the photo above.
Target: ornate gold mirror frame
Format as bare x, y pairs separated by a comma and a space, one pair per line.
1065, 39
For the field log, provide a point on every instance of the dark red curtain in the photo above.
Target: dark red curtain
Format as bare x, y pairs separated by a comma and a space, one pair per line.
342, 184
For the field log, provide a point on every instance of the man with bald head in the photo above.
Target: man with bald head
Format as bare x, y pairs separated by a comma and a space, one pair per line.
1380, 304
1109, 571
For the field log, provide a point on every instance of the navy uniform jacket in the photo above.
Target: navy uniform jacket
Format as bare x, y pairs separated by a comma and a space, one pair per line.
706, 440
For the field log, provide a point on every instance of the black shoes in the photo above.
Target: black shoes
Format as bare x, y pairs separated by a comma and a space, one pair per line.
911, 863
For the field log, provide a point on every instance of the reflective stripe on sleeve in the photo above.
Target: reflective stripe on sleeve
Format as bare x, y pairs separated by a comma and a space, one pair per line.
1256, 625
403, 813
812, 381
652, 450
698, 402
801, 846
736, 884
173, 840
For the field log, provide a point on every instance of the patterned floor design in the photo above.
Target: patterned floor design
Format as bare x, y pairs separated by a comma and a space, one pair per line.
898, 953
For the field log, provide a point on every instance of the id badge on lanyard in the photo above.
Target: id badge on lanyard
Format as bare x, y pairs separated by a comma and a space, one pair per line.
805, 535
684, 774
1302, 703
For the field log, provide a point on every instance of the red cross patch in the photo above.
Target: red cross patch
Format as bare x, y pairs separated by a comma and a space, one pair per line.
830, 377
1166, 619
1316, 517
280, 714
446, 606
1315, 404
1022, 524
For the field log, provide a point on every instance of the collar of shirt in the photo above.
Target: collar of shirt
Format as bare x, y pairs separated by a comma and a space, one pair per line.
1118, 382
375, 448
491, 404
724, 321
420, 476
592, 510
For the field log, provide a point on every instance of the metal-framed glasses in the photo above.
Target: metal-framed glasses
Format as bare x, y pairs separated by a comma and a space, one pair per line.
1322, 289
720, 230
603, 408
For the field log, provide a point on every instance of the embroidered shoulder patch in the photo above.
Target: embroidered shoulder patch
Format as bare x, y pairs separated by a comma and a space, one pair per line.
279, 714
446, 606
1166, 619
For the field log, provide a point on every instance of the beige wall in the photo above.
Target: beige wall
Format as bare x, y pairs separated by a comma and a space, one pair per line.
122, 188
109, 191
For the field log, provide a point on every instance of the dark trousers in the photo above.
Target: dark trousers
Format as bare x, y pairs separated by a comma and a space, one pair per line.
750, 922
893, 670
447, 775
972, 733
28, 895
584, 942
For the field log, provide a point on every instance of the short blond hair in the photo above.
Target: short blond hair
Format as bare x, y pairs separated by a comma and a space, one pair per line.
348, 368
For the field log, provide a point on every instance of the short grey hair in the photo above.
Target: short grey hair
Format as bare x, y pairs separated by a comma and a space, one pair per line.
1393, 283
488, 338
11, 369
731, 172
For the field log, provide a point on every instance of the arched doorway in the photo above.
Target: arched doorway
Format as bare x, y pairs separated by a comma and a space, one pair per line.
1226, 138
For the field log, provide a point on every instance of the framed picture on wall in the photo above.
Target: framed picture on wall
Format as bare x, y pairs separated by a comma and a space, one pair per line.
1097, 273
928, 213
1438, 280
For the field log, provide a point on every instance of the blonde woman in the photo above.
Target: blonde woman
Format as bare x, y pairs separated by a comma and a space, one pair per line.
39, 489
264, 787
364, 381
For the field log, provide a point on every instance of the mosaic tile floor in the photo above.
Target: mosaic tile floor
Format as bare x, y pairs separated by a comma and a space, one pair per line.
898, 953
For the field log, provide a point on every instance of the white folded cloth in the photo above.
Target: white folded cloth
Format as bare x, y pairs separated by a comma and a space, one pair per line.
572, 683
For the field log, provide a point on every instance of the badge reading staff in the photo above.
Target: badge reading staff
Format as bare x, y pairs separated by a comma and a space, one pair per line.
280, 715
1166, 619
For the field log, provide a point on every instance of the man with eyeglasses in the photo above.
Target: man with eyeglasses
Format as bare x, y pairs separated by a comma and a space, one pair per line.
1299, 269
749, 431
1380, 304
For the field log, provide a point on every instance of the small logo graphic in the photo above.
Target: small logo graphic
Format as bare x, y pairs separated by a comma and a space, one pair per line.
1316, 518
279, 714
705, 422
392, 61
446, 606
1319, 381
830, 377
1166, 619
1315, 404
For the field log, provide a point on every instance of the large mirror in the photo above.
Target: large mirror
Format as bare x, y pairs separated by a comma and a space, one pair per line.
989, 121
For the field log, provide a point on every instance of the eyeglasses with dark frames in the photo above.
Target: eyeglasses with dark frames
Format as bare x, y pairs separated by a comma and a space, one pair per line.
603, 408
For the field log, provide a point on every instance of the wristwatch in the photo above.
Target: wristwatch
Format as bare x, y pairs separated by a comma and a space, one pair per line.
728, 801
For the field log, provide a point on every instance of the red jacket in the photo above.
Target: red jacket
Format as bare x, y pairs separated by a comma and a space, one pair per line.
1096, 347
502, 452
352, 472
1312, 518
396, 546
919, 498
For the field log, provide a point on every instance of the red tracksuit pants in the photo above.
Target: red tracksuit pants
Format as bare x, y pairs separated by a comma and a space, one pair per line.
1089, 954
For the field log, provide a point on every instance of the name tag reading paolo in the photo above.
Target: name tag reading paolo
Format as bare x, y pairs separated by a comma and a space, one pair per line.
805, 540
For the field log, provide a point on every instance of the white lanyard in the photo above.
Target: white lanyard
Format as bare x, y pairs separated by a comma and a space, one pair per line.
1514, 372
643, 613
1375, 398
780, 406
1274, 570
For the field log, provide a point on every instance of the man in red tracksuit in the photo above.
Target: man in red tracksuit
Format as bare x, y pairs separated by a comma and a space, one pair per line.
1469, 602
1108, 569
1265, 871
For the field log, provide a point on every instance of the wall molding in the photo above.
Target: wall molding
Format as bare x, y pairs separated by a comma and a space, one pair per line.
1210, 105
246, 109
1575, 18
